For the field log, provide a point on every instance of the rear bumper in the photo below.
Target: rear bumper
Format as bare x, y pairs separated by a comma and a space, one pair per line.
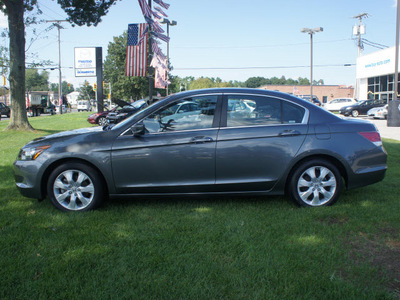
367, 177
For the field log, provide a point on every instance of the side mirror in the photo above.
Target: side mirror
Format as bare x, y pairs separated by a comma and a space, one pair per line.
138, 129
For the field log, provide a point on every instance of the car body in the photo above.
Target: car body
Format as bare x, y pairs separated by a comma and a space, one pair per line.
83, 105
4, 110
126, 111
283, 145
378, 112
361, 107
338, 103
315, 99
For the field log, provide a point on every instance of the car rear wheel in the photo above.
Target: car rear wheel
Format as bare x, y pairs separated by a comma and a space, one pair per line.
355, 113
315, 183
102, 121
75, 187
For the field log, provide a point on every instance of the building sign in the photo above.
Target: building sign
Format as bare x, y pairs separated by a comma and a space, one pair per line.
85, 62
376, 64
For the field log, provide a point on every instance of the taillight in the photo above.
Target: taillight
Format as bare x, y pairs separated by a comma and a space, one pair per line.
373, 137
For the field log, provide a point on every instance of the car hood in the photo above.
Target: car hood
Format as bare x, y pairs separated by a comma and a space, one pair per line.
120, 102
63, 134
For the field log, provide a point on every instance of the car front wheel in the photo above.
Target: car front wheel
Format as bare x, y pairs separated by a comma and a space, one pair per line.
75, 187
355, 113
315, 183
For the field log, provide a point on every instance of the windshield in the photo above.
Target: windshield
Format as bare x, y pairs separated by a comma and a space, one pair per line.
138, 104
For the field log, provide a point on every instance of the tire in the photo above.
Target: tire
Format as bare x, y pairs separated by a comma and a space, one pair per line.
355, 113
102, 121
315, 183
75, 187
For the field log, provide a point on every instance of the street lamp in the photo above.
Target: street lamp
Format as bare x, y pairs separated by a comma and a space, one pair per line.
169, 23
311, 32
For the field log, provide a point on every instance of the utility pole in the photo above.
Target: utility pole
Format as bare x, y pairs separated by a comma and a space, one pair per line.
358, 30
56, 23
393, 118
150, 70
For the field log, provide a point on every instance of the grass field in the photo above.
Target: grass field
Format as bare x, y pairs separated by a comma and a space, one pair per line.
197, 247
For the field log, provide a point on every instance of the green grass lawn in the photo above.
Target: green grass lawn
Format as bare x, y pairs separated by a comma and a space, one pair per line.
197, 247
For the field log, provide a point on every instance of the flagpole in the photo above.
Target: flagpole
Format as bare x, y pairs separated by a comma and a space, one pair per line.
150, 69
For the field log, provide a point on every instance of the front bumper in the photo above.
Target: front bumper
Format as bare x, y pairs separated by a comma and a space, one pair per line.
27, 179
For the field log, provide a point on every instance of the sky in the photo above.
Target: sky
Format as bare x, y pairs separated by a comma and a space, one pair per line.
232, 39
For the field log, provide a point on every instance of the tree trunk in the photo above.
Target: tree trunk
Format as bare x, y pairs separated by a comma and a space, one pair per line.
19, 119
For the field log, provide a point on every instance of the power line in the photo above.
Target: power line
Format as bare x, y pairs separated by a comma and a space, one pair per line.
269, 67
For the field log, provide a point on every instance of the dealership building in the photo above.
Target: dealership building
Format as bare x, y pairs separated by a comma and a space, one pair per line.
375, 75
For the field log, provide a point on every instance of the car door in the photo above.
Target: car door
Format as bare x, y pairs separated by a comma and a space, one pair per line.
254, 148
173, 155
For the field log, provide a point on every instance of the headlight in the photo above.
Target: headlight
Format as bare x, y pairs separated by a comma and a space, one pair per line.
31, 153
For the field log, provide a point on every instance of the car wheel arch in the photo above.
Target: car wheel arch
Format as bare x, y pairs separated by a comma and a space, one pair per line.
56, 164
333, 160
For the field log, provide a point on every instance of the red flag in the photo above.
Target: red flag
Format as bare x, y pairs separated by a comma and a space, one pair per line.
136, 53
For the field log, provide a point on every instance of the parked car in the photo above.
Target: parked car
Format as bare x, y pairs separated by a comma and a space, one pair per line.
101, 118
84, 105
126, 110
361, 107
315, 99
378, 112
338, 103
4, 110
285, 145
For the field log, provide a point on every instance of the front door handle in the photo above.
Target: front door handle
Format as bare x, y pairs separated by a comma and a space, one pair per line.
201, 139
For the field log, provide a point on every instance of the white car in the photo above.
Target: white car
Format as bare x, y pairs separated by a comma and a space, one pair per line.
338, 103
378, 112
84, 105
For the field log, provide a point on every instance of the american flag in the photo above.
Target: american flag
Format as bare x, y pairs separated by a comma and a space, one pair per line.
163, 4
145, 8
136, 53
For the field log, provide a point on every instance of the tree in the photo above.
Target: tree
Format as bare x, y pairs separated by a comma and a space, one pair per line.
65, 87
35, 81
80, 12
86, 92
255, 82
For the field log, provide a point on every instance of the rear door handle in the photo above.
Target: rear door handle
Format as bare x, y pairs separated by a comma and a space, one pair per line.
201, 140
289, 133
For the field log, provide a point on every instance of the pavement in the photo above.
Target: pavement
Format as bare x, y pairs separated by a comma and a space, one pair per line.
385, 131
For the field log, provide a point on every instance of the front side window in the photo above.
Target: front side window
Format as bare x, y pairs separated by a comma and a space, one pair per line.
185, 114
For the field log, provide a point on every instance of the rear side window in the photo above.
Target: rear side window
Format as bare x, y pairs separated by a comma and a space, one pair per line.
253, 110
292, 113
259, 110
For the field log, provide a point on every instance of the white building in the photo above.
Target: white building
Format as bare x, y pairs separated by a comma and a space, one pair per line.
375, 75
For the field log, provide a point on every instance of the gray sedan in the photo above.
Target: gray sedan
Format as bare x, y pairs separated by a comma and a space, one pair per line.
283, 144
